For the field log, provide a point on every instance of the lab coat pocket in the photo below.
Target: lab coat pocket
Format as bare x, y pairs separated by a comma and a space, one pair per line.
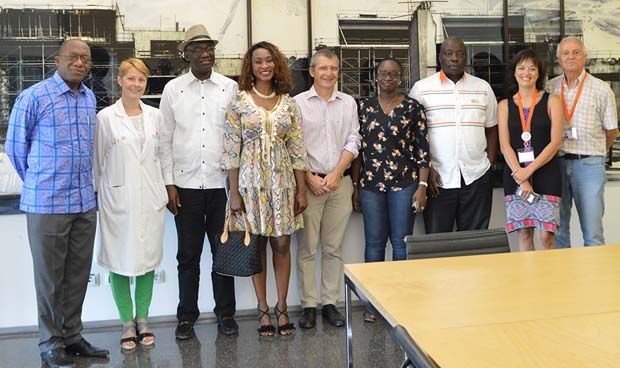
163, 198
114, 170
113, 201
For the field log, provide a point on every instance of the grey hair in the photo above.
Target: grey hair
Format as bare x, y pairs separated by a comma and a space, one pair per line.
570, 38
327, 53
452, 38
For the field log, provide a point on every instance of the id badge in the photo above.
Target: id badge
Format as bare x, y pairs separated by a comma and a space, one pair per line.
526, 155
570, 133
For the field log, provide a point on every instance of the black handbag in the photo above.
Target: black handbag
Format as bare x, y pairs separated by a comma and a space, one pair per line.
237, 252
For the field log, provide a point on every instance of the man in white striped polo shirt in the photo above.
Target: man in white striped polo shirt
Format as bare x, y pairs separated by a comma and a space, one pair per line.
332, 139
462, 131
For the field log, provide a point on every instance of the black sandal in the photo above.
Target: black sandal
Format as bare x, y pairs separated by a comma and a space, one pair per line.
129, 327
265, 330
142, 325
285, 327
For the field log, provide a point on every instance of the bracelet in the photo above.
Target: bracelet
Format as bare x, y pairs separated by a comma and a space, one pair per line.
423, 183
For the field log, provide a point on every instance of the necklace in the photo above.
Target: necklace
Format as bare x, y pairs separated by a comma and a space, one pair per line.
271, 95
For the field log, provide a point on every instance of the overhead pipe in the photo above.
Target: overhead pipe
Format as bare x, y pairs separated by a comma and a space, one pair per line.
249, 21
309, 6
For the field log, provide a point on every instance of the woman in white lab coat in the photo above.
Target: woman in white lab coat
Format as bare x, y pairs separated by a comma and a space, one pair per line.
132, 199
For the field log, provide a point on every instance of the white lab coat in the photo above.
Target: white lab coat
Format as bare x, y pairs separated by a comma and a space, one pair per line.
130, 190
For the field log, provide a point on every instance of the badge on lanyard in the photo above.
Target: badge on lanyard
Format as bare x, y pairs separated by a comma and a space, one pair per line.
570, 132
526, 154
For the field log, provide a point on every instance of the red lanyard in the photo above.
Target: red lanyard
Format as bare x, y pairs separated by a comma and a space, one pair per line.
569, 115
526, 136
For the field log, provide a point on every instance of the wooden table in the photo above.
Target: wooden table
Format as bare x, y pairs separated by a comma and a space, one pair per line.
558, 308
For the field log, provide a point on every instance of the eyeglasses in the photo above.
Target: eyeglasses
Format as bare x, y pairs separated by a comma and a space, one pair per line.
200, 50
73, 58
383, 74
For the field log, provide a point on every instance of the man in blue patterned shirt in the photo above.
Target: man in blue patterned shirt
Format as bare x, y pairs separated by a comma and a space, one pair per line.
49, 142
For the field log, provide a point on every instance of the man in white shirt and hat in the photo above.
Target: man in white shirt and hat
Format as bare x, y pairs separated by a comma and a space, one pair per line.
194, 110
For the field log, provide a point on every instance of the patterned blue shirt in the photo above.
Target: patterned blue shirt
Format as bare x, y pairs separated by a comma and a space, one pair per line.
50, 144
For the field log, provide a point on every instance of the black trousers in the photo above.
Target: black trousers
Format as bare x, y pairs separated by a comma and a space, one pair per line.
469, 206
202, 210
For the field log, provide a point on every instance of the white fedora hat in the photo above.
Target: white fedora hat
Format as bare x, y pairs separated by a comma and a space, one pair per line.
194, 34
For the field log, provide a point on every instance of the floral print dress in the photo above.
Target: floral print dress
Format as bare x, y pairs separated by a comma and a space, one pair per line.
394, 145
266, 146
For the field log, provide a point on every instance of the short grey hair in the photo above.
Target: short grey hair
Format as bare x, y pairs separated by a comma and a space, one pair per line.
327, 53
452, 38
570, 38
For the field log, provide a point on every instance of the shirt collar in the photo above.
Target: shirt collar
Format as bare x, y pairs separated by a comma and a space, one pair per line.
577, 81
443, 77
312, 93
120, 109
62, 86
215, 78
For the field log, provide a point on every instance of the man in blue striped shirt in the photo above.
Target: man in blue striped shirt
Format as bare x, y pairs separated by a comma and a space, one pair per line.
49, 142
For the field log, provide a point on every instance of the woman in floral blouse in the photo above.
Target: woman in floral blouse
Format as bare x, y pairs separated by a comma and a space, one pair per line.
394, 166
266, 158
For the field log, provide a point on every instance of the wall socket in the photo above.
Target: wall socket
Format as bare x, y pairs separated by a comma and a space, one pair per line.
94, 280
160, 276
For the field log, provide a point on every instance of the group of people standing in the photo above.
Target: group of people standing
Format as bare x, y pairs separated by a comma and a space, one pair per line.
217, 149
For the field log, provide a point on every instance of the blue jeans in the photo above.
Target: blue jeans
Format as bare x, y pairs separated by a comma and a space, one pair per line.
584, 182
387, 215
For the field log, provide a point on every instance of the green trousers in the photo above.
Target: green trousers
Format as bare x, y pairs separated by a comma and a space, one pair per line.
121, 292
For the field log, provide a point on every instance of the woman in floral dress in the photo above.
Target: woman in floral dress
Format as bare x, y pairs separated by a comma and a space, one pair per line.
265, 155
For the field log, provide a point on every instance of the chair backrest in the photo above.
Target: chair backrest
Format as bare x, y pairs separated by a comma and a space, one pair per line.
461, 243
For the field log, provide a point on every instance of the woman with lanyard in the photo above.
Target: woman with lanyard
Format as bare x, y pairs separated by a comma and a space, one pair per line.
530, 133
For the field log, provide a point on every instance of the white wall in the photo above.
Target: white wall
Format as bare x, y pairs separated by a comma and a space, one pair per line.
17, 287
282, 22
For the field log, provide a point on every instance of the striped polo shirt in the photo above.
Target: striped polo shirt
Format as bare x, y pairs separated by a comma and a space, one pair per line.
457, 115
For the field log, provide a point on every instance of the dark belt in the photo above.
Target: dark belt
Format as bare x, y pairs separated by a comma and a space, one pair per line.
347, 172
574, 156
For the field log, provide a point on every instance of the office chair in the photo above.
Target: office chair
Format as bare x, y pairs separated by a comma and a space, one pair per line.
461, 243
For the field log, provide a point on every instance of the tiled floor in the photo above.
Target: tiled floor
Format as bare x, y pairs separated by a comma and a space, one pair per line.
323, 346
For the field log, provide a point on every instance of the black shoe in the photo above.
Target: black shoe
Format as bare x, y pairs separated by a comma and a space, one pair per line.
84, 349
331, 314
56, 358
308, 318
184, 330
228, 326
